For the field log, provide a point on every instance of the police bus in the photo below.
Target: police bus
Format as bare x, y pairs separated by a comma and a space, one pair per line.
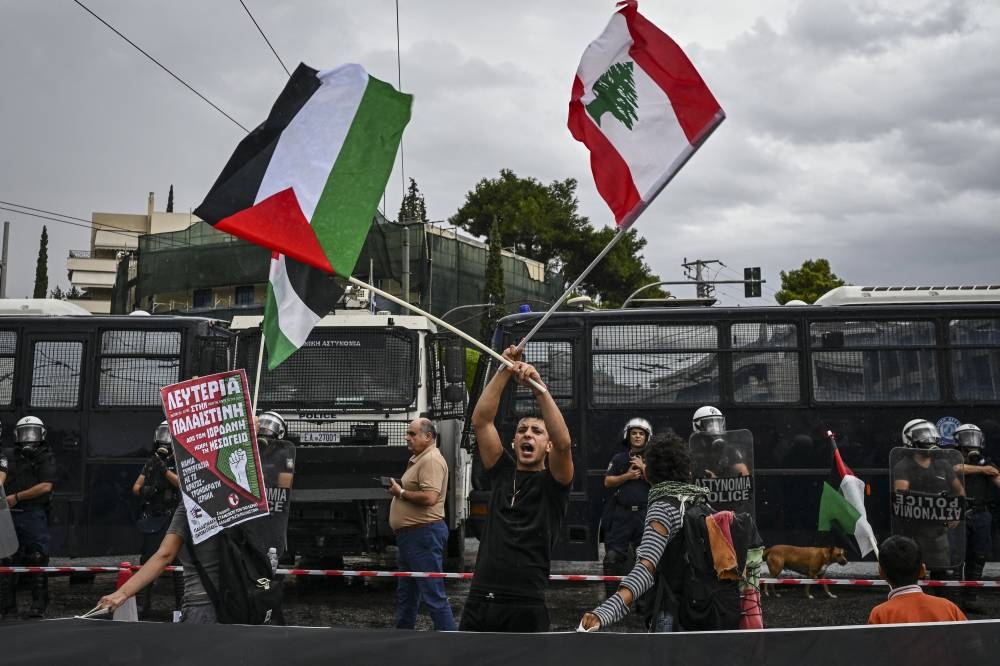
95, 383
861, 362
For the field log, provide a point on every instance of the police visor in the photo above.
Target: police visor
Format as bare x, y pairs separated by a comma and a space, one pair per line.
925, 436
969, 439
162, 435
29, 432
713, 425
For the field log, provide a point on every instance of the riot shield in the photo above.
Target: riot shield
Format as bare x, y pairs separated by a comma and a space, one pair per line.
724, 465
928, 503
8, 537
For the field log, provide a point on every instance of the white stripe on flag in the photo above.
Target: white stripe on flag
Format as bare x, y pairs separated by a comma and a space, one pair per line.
309, 146
295, 319
853, 490
657, 135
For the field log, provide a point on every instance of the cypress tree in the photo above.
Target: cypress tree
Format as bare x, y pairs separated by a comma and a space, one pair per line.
42, 267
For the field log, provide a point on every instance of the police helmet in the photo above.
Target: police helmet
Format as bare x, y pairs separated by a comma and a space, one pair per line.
162, 435
29, 429
968, 436
641, 424
271, 425
921, 434
709, 420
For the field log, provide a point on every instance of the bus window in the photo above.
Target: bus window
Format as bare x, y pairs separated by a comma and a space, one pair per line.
874, 361
634, 364
761, 374
975, 358
554, 362
55, 373
134, 364
8, 351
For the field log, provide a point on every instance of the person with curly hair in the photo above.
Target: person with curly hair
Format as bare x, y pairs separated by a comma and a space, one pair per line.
668, 470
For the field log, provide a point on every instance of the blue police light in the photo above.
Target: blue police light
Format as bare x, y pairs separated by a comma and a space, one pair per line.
524, 308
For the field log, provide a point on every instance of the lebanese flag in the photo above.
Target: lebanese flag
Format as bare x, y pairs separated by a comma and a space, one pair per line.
306, 182
845, 505
298, 296
642, 110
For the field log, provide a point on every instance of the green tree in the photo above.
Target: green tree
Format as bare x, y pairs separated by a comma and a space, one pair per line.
807, 283
494, 292
74, 293
541, 222
58, 293
170, 200
413, 208
42, 266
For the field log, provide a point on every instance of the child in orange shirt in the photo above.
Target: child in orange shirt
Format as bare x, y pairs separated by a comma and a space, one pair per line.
901, 563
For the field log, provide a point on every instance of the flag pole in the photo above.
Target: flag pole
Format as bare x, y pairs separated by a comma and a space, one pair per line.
586, 271
256, 377
443, 324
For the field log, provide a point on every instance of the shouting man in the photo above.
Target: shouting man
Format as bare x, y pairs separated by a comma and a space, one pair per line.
528, 503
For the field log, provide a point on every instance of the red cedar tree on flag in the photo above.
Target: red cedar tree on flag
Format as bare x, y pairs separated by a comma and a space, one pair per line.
846, 505
305, 183
642, 110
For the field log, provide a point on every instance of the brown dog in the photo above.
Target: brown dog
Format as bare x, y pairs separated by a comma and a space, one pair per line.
811, 562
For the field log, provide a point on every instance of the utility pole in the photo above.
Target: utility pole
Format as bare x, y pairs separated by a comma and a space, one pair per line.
3, 261
704, 289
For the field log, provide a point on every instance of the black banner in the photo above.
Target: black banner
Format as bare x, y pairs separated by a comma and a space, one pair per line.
76, 642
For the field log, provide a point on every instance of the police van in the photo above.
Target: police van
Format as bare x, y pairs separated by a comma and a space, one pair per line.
347, 396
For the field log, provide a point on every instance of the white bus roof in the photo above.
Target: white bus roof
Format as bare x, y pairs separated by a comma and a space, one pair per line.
352, 318
980, 293
40, 306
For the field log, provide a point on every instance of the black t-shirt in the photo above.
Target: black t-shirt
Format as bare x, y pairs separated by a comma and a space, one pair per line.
935, 478
523, 524
277, 456
634, 492
25, 471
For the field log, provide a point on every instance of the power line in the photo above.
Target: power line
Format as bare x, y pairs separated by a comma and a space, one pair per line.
161, 65
121, 231
265, 38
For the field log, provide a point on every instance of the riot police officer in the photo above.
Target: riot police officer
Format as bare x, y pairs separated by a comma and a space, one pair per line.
721, 459
626, 510
28, 474
979, 474
927, 471
157, 486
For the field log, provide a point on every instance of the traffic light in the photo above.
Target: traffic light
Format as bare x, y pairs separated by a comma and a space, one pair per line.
751, 282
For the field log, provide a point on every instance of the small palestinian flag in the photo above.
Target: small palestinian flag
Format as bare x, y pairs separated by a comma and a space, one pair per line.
642, 110
845, 505
306, 182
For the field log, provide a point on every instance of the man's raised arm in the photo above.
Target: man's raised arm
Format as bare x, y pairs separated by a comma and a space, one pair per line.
484, 415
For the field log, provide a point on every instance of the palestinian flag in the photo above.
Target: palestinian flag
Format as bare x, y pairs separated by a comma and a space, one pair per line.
306, 182
642, 110
845, 505
298, 296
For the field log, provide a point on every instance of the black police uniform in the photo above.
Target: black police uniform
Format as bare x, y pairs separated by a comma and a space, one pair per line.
978, 525
159, 499
625, 516
27, 466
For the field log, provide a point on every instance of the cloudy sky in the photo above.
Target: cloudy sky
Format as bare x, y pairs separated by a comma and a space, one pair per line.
864, 131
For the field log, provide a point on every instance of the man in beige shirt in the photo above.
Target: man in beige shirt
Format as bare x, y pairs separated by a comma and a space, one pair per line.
416, 515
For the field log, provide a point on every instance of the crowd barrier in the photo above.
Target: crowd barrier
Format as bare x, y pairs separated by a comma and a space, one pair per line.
573, 578
74, 642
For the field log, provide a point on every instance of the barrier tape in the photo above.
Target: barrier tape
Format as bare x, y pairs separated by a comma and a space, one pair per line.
573, 578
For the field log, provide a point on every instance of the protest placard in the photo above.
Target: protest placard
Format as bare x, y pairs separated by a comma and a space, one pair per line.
215, 446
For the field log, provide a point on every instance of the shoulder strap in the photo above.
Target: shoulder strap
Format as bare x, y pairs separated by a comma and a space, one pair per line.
662, 582
206, 581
